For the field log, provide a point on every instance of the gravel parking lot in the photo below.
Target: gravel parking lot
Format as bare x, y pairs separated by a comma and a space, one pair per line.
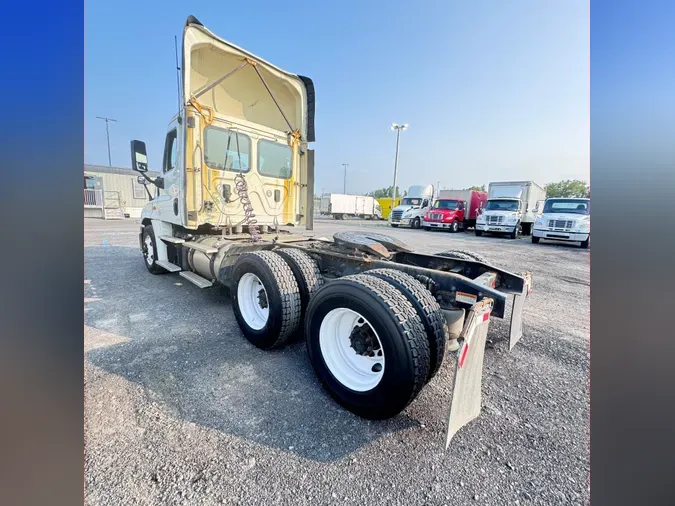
181, 409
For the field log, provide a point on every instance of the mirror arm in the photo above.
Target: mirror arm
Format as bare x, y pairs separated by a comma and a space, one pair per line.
158, 181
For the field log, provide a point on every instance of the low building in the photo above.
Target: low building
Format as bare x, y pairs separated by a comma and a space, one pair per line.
114, 192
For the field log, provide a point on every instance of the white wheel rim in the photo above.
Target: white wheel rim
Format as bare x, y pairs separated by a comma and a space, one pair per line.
150, 256
355, 371
253, 301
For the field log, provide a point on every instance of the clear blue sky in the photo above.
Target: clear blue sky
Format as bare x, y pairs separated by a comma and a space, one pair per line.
492, 90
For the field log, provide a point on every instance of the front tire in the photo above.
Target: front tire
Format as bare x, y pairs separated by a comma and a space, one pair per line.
584, 244
416, 223
367, 345
535, 240
516, 232
454, 227
265, 298
149, 250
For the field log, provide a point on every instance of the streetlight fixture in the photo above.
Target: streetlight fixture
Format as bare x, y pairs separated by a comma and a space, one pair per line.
398, 129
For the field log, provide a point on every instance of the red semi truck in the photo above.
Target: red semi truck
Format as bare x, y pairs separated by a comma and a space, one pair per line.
455, 209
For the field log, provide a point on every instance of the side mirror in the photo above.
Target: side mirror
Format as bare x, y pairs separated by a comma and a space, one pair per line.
139, 157
142, 180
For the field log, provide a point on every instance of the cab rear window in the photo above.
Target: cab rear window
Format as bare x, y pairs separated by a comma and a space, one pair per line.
274, 159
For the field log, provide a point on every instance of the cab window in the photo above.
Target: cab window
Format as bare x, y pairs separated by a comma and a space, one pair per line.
274, 159
170, 150
227, 149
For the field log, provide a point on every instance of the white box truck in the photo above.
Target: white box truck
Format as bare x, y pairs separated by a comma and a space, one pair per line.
564, 219
341, 206
410, 212
511, 208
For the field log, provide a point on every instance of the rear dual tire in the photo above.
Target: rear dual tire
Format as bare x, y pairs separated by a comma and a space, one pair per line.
348, 322
426, 307
265, 299
374, 339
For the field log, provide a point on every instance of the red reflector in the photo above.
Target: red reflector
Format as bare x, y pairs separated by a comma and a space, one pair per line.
486, 316
463, 354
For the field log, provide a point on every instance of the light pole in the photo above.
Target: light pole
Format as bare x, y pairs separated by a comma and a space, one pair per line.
107, 135
345, 165
398, 129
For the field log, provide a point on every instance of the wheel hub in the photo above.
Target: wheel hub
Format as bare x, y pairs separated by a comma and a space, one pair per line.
363, 341
262, 299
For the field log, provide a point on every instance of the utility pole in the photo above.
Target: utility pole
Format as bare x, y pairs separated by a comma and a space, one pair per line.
398, 129
107, 135
345, 165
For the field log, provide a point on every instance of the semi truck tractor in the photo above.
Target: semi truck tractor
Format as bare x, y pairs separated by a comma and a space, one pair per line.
379, 320
341, 206
564, 219
510, 208
410, 212
455, 210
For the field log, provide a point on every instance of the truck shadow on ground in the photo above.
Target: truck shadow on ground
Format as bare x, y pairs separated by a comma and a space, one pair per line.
185, 349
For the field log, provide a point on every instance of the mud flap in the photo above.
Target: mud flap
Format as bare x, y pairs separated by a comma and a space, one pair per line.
516, 329
466, 391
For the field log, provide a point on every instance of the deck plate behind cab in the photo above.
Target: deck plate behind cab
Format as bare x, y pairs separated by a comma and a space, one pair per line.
371, 242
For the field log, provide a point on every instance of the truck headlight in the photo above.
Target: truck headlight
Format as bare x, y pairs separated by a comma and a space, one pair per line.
539, 223
583, 224
481, 219
511, 220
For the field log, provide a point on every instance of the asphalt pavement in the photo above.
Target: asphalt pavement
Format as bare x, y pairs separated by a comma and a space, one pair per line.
181, 409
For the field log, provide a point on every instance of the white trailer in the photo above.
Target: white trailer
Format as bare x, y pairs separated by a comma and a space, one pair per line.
511, 208
341, 206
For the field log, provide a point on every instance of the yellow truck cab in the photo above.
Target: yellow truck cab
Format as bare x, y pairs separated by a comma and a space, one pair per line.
240, 116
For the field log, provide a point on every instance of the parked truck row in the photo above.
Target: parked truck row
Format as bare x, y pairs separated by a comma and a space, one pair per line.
508, 208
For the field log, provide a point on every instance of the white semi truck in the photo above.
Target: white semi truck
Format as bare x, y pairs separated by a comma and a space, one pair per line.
511, 208
410, 212
564, 219
379, 320
341, 206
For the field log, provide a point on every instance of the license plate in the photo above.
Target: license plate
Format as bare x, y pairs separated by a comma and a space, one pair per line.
495, 228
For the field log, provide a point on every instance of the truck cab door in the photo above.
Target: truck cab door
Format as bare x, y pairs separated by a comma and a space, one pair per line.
170, 203
461, 208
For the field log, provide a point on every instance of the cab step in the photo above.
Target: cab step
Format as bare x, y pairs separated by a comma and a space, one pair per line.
171, 239
208, 250
195, 279
165, 264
